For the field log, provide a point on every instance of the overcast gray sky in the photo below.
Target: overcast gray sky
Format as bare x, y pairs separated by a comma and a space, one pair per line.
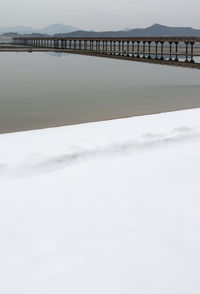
100, 14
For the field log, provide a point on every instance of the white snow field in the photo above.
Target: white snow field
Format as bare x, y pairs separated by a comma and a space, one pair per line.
102, 208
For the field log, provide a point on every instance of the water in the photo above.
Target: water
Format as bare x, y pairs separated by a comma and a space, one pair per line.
47, 89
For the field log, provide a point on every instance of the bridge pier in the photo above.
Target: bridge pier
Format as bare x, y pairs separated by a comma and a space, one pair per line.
192, 48
106, 46
162, 47
114, 47
110, 47
138, 42
144, 46
156, 48
186, 49
176, 43
133, 47
149, 42
170, 49
127, 47
122, 47
119, 47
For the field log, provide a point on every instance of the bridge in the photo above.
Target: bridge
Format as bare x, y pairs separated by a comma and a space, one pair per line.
126, 48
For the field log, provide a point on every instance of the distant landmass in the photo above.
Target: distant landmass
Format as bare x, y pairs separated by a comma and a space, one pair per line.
48, 30
155, 30
59, 30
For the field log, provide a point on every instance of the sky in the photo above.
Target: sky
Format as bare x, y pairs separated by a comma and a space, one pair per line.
100, 14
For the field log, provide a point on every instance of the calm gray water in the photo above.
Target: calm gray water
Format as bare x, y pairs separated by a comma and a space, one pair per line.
43, 90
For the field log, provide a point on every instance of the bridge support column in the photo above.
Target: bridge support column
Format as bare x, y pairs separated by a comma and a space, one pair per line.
156, 48
123, 47
176, 47
62, 44
138, 42
149, 42
102, 47
114, 47
192, 48
162, 47
99, 46
133, 44
170, 50
106, 46
186, 48
128, 47
144, 45
110, 47
176, 43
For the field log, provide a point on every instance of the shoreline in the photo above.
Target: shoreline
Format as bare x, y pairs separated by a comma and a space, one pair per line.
82, 122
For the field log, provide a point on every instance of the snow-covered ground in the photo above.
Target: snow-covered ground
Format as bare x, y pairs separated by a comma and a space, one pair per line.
102, 208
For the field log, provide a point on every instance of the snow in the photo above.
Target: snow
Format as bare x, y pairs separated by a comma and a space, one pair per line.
108, 207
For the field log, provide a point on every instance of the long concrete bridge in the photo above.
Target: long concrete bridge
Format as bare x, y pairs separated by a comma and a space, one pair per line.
114, 45
127, 48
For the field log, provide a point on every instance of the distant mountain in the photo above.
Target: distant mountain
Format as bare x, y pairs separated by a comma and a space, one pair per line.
57, 28
155, 30
17, 29
50, 30
126, 29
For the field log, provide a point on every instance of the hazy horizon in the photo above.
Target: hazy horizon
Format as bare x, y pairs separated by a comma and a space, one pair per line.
99, 15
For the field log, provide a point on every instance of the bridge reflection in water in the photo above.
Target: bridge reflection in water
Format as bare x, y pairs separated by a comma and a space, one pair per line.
181, 61
174, 51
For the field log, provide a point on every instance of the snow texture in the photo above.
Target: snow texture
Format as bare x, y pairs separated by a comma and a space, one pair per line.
108, 207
